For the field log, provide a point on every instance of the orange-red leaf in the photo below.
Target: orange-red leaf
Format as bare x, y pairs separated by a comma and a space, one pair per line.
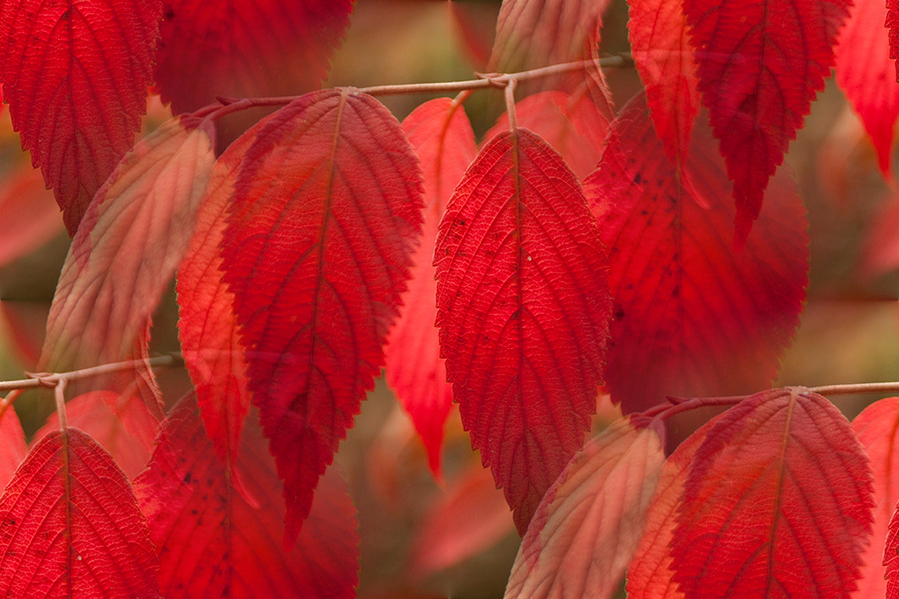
75, 76
777, 503
703, 318
12, 445
126, 250
664, 58
213, 544
441, 135
245, 48
326, 212
760, 66
877, 428
30, 216
70, 526
865, 72
523, 313
590, 521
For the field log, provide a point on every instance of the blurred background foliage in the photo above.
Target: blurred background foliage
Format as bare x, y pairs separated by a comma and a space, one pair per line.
453, 537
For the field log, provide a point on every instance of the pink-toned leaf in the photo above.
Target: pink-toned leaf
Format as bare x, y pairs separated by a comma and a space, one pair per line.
30, 216
590, 520
102, 414
245, 48
877, 428
795, 513
213, 544
703, 318
328, 199
559, 118
441, 134
474, 24
649, 575
760, 65
70, 526
12, 445
865, 72
664, 58
523, 313
207, 326
126, 250
75, 75
469, 518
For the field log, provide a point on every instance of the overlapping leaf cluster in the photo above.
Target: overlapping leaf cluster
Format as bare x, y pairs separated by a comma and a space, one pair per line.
580, 249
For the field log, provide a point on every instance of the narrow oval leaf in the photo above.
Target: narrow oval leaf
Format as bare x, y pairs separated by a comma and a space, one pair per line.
326, 212
12, 445
795, 514
760, 66
213, 544
660, 43
649, 575
75, 75
126, 250
590, 521
207, 326
865, 72
70, 526
246, 48
705, 319
441, 134
523, 313
877, 428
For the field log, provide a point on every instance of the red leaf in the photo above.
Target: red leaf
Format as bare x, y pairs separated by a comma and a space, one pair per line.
12, 445
649, 575
877, 428
30, 216
891, 558
795, 514
245, 48
865, 72
664, 58
892, 24
760, 66
207, 326
328, 199
523, 311
213, 544
568, 122
126, 250
705, 319
75, 76
70, 526
92, 414
441, 135
590, 521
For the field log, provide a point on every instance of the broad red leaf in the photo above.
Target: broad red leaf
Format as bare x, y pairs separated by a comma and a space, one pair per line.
865, 72
70, 526
244, 48
126, 250
12, 445
102, 414
328, 200
213, 544
649, 575
892, 23
664, 58
877, 428
891, 558
568, 122
75, 75
523, 310
441, 135
207, 326
760, 66
794, 515
703, 318
590, 521
468, 519
30, 216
